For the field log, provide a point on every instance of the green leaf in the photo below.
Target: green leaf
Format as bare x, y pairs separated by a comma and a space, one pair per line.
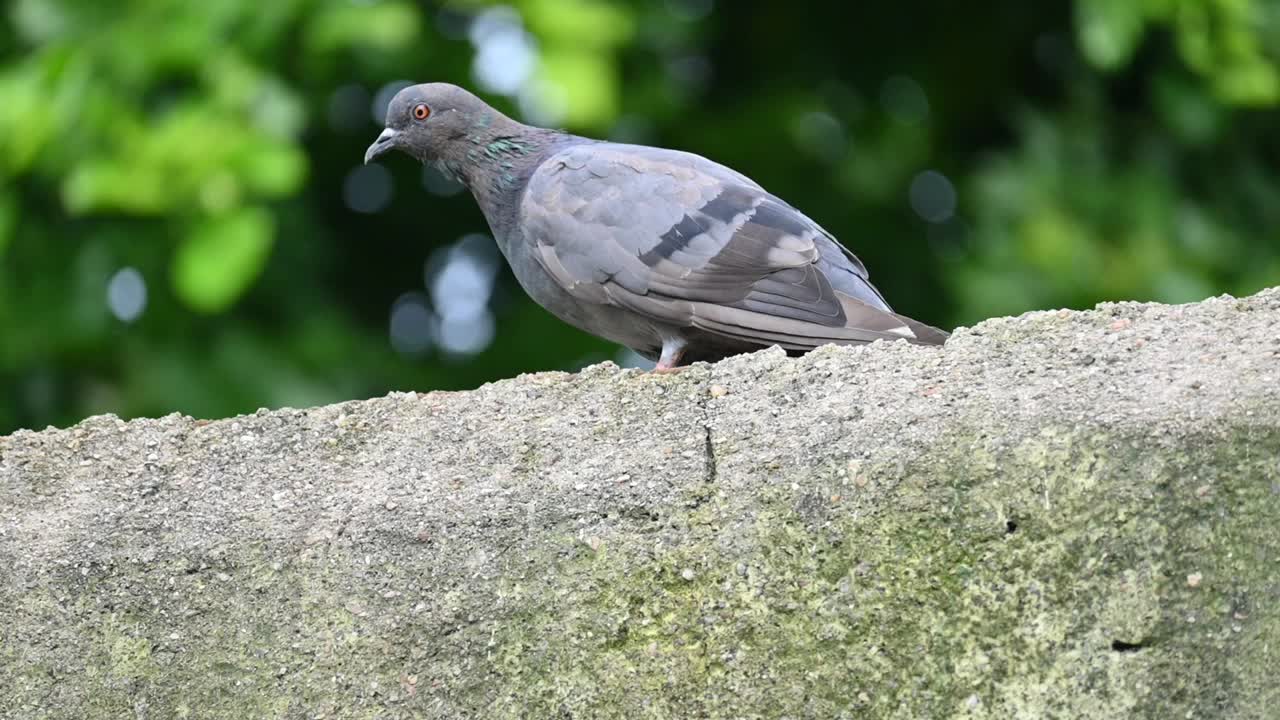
28, 123
39, 20
107, 184
1255, 83
579, 23
388, 25
271, 168
1109, 30
221, 258
587, 82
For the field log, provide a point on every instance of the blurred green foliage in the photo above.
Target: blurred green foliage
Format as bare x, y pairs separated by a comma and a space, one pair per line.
1098, 150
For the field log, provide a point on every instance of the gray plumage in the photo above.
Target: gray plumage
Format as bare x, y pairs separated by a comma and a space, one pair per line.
665, 252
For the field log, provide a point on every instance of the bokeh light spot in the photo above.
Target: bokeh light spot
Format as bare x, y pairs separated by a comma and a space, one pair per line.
820, 134
367, 188
904, 100
412, 324
462, 286
466, 336
461, 279
543, 103
127, 294
933, 197
505, 54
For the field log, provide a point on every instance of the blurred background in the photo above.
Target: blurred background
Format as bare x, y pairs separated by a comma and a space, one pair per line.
185, 223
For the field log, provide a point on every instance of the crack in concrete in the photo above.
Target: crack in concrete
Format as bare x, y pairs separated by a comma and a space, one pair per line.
708, 448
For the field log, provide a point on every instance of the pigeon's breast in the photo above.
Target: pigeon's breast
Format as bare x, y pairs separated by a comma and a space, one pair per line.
600, 319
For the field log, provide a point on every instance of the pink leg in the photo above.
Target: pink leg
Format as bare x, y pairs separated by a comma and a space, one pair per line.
669, 361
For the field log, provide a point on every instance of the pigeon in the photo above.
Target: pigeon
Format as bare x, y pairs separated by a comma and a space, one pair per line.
663, 251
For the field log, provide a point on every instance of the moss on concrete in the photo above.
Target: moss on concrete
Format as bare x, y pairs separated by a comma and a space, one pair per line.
1044, 585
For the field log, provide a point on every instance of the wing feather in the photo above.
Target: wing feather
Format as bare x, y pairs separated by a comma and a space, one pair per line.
686, 242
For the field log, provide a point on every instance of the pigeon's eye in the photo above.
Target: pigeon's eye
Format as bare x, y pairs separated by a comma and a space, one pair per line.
421, 111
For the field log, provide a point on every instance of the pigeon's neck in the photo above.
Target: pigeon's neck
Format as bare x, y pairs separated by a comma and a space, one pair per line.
494, 158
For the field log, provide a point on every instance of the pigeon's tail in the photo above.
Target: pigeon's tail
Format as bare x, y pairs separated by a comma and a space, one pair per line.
925, 334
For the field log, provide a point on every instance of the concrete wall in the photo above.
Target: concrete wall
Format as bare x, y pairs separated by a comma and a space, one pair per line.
1059, 515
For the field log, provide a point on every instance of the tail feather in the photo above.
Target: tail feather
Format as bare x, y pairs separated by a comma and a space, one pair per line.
925, 334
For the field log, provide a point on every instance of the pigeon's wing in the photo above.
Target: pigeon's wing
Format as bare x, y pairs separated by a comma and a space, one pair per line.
685, 242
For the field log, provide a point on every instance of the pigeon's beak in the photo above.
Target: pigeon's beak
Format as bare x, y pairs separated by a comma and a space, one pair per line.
385, 142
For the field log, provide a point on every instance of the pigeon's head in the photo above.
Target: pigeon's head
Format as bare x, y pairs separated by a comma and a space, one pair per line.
425, 120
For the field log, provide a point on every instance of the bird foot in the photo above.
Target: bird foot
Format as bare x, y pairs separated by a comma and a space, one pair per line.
669, 369
669, 360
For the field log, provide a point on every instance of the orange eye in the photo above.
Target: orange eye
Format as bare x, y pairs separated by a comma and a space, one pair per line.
421, 111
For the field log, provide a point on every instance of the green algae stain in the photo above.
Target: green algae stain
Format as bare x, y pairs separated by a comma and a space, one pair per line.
128, 656
1040, 588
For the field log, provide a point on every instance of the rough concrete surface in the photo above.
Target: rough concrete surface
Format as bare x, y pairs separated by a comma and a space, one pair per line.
1064, 514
